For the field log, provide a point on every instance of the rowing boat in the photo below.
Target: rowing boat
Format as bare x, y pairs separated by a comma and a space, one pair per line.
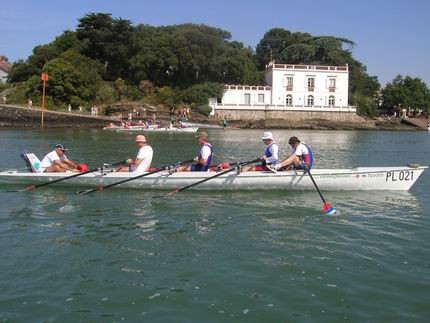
158, 129
361, 178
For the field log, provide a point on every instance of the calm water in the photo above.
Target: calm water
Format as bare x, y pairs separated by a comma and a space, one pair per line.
119, 255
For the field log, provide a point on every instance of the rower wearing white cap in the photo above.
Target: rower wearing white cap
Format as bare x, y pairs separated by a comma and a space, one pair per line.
143, 159
56, 161
271, 153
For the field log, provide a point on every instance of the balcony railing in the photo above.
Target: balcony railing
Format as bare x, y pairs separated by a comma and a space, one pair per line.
281, 107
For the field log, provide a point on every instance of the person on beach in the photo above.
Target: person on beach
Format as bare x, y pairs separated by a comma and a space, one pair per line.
271, 154
203, 160
143, 159
300, 158
57, 162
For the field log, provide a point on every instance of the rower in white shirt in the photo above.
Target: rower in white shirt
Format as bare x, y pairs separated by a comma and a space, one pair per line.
143, 159
57, 162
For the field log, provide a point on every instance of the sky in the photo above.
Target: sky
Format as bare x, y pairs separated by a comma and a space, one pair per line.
392, 36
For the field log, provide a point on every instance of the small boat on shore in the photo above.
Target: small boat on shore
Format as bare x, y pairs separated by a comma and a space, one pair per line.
150, 128
200, 125
360, 179
158, 129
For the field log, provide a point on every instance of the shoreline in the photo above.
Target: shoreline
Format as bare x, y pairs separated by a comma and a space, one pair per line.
24, 118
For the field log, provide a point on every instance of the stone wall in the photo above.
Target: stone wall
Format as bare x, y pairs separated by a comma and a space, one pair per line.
291, 116
14, 116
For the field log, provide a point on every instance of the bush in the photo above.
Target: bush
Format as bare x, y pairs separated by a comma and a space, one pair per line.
106, 93
200, 93
203, 109
166, 95
133, 93
146, 87
365, 105
18, 95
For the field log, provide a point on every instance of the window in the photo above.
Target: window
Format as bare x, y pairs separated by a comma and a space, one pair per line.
247, 98
311, 83
218, 100
260, 98
310, 101
332, 83
289, 100
331, 101
289, 83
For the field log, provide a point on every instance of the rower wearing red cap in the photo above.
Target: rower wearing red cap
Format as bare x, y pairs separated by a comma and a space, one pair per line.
143, 159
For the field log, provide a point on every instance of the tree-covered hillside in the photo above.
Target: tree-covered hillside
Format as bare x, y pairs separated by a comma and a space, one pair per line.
108, 59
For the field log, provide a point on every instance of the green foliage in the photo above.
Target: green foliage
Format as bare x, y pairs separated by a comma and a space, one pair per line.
72, 77
203, 109
133, 93
146, 87
200, 93
365, 105
106, 93
406, 92
107, 40
22, 71
18, 94
166, 95
120, 88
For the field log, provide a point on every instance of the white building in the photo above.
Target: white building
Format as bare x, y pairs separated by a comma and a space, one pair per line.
290, 87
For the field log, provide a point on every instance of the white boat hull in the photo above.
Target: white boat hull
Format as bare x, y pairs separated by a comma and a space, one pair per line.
159, 129
363, 178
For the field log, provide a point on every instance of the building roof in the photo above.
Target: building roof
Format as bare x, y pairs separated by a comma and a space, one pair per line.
5, 66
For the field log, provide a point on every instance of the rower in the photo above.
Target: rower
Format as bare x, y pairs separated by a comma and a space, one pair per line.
143, 160
300, 158
271, 153
203, 160
57, 162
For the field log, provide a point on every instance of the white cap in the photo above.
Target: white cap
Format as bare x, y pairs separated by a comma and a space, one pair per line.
267, 135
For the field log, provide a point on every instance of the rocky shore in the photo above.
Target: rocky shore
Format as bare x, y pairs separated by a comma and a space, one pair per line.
14, 116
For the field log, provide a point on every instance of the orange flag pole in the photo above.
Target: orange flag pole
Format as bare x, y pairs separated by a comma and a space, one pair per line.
44, 78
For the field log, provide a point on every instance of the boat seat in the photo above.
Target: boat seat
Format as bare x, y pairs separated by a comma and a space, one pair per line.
33, 163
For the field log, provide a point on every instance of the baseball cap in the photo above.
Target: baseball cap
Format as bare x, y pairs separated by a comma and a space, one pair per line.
60, 146
267, 135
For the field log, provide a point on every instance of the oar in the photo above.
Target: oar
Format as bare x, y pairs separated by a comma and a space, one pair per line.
327, 208
101, 188
32, 187
209, 178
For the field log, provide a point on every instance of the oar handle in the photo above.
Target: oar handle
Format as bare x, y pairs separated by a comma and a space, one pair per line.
135, 177
68, 177
237, 164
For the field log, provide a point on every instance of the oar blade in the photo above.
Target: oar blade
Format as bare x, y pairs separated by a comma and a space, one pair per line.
328, 209
28, 188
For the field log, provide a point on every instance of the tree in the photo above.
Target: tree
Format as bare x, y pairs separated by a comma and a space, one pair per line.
406, 92
107, 40
23, 70
120, 88
73, 78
